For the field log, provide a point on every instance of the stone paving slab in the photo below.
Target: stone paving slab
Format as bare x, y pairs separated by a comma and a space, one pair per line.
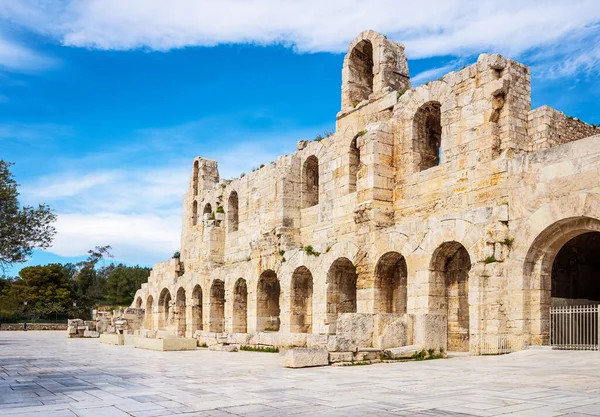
44, 374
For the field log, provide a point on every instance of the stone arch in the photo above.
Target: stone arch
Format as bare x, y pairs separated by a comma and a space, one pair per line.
240, 306
310, 182
341, 290
207, 209
138, 302
390, 284
353, 164
164, 309
196, 309
217, 306
267, 302
372, 63
301, 301
553, 249
148, 317
427, 135
449, 274
195, 171
360, 72
195, 213
180, 304
233, 212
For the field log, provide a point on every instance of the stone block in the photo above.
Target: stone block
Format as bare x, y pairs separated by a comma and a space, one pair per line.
335, 357
224, 348
306, 357
392, 330
404, 352
112, 339
91, 333
430, 331
165, 344
129, 339
316, 340
356, 329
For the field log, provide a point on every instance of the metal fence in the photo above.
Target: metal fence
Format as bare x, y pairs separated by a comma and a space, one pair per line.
499, 344
575, 327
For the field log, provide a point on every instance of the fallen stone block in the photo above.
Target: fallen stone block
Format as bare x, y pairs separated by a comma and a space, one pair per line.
404, 352
367, 355
91, 333
335, 357
224, 348
112, 339
306, 357
165, 344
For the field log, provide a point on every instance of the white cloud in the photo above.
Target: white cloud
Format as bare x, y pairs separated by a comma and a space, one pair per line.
17, 57
135, 206
135, 238
434, 73
440, 27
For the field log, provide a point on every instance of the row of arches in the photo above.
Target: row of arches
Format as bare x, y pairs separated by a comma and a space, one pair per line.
450, 271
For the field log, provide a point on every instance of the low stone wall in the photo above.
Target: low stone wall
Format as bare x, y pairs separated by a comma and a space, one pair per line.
355, 331
33, 326
548, 128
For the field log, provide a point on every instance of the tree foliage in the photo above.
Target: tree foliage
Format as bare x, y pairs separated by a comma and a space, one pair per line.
22, 229
51, 289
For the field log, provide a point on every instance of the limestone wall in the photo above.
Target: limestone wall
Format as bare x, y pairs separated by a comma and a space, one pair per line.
549, 128
424, 201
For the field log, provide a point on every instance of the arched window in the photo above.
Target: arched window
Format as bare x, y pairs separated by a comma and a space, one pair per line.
195, 178
195, 213
207, 209
354, 164
360, 77
232, 212
427, 136
310, 182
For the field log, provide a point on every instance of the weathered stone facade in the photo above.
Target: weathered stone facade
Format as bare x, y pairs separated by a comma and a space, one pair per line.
447, 200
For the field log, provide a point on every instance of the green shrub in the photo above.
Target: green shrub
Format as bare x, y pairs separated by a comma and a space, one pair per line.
266, 349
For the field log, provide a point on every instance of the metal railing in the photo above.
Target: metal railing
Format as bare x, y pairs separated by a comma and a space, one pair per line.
501, 343
575, 327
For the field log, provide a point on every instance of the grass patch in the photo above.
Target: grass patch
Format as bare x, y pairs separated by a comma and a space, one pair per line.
425, 355
509, 241
490, 260
358, 363
266, 349
310, 250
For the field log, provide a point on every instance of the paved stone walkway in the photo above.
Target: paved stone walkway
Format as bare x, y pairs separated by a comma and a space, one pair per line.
44, 374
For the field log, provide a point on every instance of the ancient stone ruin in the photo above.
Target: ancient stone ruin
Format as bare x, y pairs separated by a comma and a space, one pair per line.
450, 215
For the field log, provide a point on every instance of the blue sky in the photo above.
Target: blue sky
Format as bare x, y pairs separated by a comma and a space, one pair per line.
104, 104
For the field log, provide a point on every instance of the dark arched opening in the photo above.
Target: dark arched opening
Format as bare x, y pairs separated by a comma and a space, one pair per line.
427, 136
390, 280
267, 303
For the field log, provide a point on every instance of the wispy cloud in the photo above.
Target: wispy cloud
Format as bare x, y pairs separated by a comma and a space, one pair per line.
448, 27
33, 133
15, 56
131, 198
434, 73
